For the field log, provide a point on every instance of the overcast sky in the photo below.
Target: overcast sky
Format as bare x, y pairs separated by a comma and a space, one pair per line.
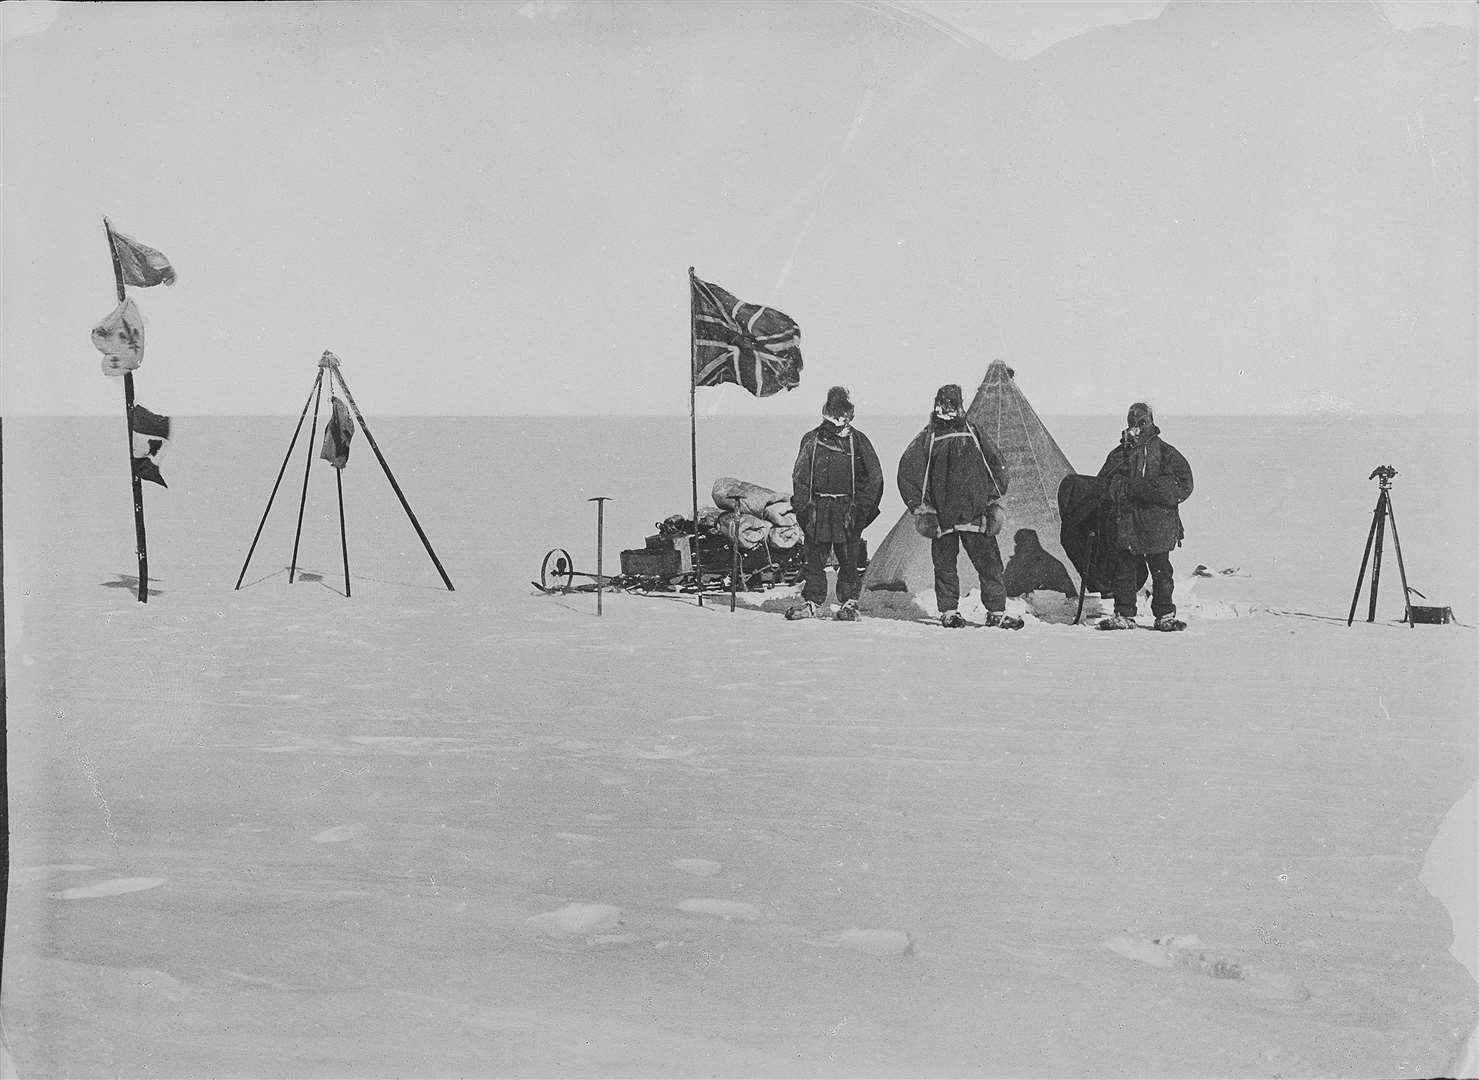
492, 207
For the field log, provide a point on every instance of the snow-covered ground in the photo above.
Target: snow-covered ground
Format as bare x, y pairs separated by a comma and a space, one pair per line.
277, 832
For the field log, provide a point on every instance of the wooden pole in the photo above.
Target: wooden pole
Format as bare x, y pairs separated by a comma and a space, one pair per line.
343, 536
698, 569
307, 469
1083, 581
600, 501
734, 569
141, 546
1402, 568
370, 438
1381, 528
301, 416
1361, 574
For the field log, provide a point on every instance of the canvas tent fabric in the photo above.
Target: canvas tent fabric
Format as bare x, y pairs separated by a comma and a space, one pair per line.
1031, 545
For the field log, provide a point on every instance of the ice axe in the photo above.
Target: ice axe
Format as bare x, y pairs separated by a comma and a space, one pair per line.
600, 501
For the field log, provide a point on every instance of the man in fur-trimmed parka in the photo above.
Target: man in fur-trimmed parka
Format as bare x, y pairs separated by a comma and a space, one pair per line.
951, 478
1147, 480
836, 485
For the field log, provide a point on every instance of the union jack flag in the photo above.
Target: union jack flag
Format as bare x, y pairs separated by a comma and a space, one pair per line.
757, 347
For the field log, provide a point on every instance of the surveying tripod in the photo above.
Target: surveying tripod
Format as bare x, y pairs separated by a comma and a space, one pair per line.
1382, 474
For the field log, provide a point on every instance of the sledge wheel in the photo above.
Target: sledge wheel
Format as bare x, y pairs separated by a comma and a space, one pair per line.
557, 572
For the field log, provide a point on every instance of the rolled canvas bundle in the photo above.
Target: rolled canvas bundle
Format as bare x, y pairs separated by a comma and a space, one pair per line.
785, 537
752, 499
747, 530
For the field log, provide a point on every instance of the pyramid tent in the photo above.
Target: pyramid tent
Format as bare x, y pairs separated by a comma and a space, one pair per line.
901, 568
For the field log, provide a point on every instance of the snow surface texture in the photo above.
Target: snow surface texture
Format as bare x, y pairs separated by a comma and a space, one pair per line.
278, 832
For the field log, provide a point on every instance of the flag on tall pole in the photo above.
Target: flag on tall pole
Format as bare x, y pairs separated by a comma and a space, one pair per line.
120, 337
151, 434
754, 346
730, 341
139, 264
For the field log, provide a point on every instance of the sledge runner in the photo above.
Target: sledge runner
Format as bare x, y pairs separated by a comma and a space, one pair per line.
836, 486
1147, 479
951, 478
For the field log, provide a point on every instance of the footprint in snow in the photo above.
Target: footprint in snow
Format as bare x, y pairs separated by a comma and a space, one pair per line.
869, 942
666, 753
582, 926
698, 867
116, 887
339, 833
36, 873
724, 909
1185, 950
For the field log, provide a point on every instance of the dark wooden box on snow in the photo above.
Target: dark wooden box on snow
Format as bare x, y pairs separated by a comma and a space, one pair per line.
664, 556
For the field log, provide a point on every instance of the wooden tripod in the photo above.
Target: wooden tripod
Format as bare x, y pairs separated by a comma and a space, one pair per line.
1382, 474
329, 363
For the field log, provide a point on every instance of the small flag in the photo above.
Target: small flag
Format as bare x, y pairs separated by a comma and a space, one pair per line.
151, 433
120, 338
757, 347
337, 433
139, 263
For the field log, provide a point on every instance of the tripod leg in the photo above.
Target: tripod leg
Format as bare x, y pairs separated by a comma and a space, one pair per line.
307, 465
1401, 568
343, 537
1381, 529
286, 458
1365, 556
1083, 581
370, 438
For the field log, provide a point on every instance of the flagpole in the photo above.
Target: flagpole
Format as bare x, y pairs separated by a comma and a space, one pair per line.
370, 438
307, 469
286, 458
698, 569
141, 547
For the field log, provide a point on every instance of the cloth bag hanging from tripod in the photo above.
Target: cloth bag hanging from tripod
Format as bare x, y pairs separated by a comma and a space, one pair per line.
337, 433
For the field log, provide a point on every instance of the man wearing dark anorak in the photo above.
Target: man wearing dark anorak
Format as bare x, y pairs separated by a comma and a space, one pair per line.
952, 477
1147, 480
836, 486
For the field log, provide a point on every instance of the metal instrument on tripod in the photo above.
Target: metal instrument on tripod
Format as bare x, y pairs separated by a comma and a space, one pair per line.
1383, 475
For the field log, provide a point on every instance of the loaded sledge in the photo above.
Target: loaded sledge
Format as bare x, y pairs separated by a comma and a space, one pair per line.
749, 540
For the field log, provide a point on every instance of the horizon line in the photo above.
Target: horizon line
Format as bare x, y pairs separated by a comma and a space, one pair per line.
1320, 414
